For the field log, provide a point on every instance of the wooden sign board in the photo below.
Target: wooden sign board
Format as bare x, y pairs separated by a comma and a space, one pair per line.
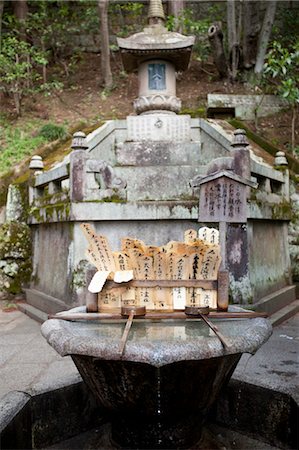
166, 278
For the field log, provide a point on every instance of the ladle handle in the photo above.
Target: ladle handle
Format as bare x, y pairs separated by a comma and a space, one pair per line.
213, 327
125, 335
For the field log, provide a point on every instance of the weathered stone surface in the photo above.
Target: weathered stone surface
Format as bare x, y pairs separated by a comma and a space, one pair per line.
269, 264
158, 127
14, 204
159, 183
158, 153
15, 256
157, 103
78, 175
58, 173
137, 387
246, 106
156, 42
70, 338
158, 195
294, 232
15, 421
52, 269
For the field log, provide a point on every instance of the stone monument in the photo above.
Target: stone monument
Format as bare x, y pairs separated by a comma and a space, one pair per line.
144, 177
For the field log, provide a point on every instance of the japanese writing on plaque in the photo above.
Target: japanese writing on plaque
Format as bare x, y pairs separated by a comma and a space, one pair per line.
223, 200
156, 77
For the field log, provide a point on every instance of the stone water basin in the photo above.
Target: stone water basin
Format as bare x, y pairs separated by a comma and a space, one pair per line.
158, 393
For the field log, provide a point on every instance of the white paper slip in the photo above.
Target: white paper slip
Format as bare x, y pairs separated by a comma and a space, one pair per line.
121, 276
98, 281
179, 298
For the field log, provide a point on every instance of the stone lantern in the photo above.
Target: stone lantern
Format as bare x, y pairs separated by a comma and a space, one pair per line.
156, 54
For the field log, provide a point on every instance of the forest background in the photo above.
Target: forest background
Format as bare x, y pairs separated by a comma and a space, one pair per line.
60, 68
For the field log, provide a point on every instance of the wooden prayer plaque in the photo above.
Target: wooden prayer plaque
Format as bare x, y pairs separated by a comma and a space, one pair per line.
166, 278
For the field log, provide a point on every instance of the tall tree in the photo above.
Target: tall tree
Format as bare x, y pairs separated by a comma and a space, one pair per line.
175, 8
232, 37
215, 36
1, 14
20, 9
251, 29
265, 36
105, 47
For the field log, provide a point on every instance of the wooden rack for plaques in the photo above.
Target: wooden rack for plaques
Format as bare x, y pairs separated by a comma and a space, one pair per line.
166, 278
220, 286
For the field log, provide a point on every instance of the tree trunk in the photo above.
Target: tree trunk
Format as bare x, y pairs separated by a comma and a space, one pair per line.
232, 37
265, 36
234, 11
175, 8
251, 29
231, 24
105, 50
44, 65
20, 9
1, 14
215, 36
293, 127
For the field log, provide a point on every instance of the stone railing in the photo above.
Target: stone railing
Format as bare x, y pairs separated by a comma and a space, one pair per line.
80, 179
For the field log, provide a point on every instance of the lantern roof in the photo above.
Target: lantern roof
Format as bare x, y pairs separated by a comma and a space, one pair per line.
156, 42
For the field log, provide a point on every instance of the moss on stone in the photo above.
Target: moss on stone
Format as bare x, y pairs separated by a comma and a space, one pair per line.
113, 199
49, 213
293, 162
79, 275
15, 256
195, 112
282, 211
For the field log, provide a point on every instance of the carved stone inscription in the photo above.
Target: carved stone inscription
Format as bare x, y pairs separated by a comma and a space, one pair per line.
158, 127
223, 200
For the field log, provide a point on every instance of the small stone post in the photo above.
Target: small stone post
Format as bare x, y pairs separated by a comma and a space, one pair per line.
78, 159
281, 162
36, 167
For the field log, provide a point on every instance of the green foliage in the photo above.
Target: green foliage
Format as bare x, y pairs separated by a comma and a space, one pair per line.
18, 68
190, 26
285, 29
282, 63
51, 132
52, 23
126, 18
16, 145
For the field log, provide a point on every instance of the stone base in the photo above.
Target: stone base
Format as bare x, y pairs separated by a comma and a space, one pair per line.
157, 434
154, 407
151, 103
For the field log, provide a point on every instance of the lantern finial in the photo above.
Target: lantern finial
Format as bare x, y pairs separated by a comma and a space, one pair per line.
155, 12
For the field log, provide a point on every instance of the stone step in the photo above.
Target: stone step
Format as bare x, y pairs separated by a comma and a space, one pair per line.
284, 313
253, 410
44, 302
276, 301
32, 312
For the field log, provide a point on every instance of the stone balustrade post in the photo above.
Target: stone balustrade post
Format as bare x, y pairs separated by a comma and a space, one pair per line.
78, 158
36, 167
241, 154
281, 162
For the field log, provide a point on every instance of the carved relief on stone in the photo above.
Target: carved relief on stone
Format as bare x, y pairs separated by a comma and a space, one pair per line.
109, 179
102, 181
157, 102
